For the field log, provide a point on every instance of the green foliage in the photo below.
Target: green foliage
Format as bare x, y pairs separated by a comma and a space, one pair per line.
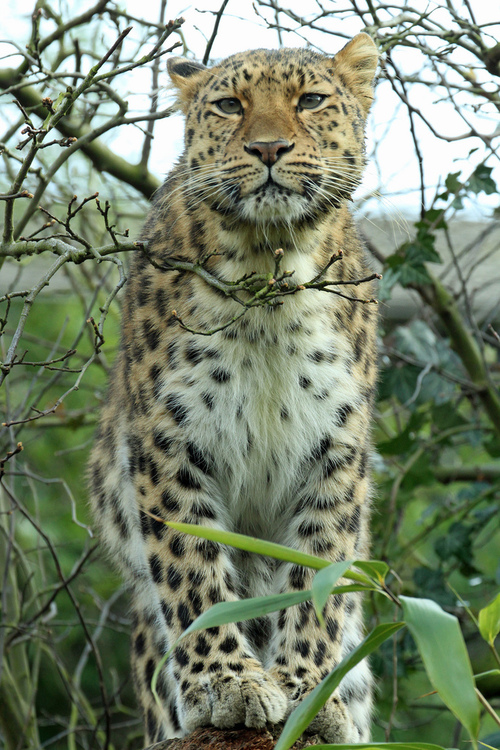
441, 645
407, 266
489, 620
437, 633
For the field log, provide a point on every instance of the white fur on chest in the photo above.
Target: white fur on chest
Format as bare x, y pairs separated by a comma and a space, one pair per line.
277, 397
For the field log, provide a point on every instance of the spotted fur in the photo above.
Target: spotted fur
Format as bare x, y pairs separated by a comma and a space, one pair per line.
262, 427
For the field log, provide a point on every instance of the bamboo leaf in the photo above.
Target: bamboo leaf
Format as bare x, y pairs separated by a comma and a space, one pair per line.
323, 583
376, 569
489, 620
489, 673
251, 544
245, 609
305, 712
262, 547
443, 651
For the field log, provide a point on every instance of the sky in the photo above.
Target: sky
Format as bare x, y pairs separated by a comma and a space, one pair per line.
396, 171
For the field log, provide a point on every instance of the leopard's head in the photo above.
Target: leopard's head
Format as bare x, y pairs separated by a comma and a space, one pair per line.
275, 137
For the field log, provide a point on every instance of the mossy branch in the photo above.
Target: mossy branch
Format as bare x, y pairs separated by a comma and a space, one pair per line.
445, 306
24, 248
259, 289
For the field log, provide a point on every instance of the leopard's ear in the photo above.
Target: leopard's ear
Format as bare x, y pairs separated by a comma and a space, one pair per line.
181, 67
186, 76
357, 64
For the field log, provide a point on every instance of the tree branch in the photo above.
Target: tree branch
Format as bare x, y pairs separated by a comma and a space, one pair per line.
463, 342
103, 158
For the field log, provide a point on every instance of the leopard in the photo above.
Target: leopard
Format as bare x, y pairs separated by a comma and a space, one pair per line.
255, 418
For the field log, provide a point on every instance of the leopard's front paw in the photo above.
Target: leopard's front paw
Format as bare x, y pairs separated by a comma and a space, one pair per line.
332, 724
224, 700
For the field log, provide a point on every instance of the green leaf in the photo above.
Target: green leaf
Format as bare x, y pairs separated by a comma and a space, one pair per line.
458, 203
446, 417
389, 280
397, 445
422, 250
493, 446
376, 569
492, 740
261, 547
434, 216
480, 181
323, 583
399, 381
489, 620
245, 609
452, 182
407, 439
416, 274
395, 261
457, 543
305, 712
442, 648
421, 473
418, 340
489, 673
252, 544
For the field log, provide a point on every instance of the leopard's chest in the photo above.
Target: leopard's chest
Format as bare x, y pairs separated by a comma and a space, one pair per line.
260, 403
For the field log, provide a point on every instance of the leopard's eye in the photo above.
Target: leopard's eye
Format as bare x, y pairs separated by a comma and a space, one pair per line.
311, 101
230, 106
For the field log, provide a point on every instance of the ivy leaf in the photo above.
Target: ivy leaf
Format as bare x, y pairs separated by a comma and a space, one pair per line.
422, 251
480, 181
434, 216
453, 184
395, 260
447, 418
493, 446
413, 275
419, 341
399, 382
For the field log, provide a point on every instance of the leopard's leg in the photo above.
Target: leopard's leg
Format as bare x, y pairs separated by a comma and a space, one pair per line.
160, 721
216, 675
213, 676
329, 520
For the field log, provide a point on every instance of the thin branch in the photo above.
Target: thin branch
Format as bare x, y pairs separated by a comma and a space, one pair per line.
218, 18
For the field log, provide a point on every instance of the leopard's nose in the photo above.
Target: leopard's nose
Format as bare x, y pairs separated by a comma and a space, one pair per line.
269, 151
